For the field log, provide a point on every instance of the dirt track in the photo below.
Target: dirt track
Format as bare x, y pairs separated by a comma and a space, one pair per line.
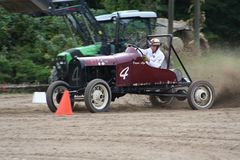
130, 130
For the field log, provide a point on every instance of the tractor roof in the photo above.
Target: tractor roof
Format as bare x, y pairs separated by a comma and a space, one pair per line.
127, 14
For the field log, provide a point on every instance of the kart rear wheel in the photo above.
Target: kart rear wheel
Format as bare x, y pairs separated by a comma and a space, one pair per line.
97, 96
55, 93
160, 100
201, 95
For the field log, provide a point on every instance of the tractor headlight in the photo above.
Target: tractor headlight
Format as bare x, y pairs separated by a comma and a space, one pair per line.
60, 62
58, 65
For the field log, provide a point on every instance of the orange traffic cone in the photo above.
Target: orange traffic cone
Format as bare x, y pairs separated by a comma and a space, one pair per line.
64, 107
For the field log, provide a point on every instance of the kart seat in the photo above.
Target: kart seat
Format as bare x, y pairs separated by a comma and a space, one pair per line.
178, 74
164, 64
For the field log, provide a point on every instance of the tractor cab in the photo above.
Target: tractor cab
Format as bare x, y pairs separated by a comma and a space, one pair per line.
129, 26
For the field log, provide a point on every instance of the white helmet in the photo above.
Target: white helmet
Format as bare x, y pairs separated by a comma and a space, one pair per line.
155, 42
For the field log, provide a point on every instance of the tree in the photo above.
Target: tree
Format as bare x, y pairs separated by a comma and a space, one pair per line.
29, 45
223, 20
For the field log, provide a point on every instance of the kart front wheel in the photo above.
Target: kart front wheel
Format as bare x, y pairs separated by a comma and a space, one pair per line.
201, 95
97, 96
54, 94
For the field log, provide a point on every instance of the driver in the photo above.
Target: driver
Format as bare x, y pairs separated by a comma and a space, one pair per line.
153, 56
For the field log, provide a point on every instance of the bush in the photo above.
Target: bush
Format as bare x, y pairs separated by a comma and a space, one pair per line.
29, 45
27, 71
5, 70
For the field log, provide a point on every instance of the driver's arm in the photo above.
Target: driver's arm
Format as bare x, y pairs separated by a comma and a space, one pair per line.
156, 61
144, 51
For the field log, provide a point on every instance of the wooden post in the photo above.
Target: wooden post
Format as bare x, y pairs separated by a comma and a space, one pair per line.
170, 16
197, 14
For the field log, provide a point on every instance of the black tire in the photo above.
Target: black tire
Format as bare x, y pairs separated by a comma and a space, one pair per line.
55, 93
102, 92
160, 100
53, 77
201, 95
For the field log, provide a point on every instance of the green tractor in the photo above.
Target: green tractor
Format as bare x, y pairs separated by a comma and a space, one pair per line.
101, 35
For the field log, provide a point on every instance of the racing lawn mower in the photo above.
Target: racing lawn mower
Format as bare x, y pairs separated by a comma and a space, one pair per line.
121, 28
101, 79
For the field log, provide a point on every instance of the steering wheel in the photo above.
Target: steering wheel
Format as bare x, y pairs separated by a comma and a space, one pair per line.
137, 49
139, 52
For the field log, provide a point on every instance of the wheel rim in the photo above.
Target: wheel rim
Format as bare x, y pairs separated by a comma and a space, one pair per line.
203, 96
57, 95
99, 96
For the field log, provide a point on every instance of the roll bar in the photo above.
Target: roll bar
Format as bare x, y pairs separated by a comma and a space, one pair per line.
171, 48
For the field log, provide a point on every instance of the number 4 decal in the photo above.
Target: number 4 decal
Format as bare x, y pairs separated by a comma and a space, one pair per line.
124, 73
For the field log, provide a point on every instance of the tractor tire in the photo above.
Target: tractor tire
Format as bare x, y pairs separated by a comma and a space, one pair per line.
97, 96
201, 95
53, 77
54, 94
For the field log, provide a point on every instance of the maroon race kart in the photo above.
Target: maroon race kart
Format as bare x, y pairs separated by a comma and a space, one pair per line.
101, 79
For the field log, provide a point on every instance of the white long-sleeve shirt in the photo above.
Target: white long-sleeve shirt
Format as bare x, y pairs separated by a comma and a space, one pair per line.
155, 59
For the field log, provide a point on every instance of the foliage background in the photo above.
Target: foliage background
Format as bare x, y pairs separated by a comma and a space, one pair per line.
29, 45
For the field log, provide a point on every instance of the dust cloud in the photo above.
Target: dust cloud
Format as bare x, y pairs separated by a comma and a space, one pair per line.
222, 70
229, 86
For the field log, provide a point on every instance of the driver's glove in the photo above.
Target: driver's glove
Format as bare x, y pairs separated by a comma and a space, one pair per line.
145, 59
